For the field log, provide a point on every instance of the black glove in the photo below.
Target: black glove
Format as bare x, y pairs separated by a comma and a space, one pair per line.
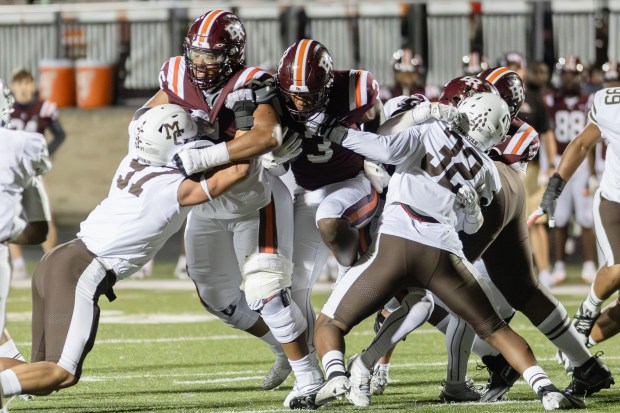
550, 197
332, 131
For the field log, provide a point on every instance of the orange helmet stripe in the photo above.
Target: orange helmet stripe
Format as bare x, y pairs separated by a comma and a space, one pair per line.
300, 60
496, 74
175, 78
207, 23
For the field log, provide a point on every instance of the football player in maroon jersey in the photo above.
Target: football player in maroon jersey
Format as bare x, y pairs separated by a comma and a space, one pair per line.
334, 198
251, 225
32, 114
568, 109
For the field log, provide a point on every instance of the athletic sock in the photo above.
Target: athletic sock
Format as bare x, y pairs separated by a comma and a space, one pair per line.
276, 348
459, 340
592, 303
561, 332
536, 377
9, 350
333, 363
10, 384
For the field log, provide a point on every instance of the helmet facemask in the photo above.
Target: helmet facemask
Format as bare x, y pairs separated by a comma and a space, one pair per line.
209, 68
303, 105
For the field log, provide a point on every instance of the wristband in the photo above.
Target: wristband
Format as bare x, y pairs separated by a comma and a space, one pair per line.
215, 155
205, 187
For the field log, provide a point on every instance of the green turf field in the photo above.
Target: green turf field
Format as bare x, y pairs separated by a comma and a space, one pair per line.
159, 351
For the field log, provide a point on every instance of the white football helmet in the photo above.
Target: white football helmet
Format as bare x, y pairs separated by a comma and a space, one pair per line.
161, 131
488, 119
6, 104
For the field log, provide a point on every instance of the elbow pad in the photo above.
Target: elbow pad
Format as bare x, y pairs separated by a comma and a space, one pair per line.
244, 114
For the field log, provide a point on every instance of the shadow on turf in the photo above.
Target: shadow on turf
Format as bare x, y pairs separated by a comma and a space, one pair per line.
172, 366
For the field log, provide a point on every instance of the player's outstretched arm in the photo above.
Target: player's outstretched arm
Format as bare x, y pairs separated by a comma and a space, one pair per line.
194, 192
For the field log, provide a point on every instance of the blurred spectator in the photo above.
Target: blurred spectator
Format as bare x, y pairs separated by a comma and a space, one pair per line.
594, 82
33, 115
409, 77
474, 64
568, 108
535, 113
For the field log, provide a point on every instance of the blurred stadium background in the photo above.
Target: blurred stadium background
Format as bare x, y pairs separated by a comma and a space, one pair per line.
100, 60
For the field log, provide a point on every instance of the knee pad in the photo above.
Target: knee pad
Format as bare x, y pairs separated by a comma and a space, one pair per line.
283, 317
265, 275
236, 315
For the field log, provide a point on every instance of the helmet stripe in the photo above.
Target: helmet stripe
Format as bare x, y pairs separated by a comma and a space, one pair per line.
207, 23
517, 146
299, 69
497, 73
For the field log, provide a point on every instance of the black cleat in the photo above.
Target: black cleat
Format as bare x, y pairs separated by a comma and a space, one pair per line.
304, 403
589, 378
501, 378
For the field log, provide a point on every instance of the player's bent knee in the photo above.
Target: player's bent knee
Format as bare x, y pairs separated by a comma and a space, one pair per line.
283, 317
488, 327
236, 315
264, 275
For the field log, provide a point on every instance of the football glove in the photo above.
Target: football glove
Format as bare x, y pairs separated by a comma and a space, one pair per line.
289, 150
550, 197
468, 200
376, 174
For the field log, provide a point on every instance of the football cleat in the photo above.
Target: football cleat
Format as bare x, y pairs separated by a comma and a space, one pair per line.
460, 392
303, 398
278, 372
501, 378
379, 380
334, 388
359, 379
590, 378
554, 399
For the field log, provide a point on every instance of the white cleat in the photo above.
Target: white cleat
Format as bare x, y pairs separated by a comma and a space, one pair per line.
359, 380
554, 399
333, 389
278, 372
302, 397
379, 381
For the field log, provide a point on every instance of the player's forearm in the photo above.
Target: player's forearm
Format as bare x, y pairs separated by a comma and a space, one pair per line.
192, 192
257, 141
59, 137
577, 151
34, 233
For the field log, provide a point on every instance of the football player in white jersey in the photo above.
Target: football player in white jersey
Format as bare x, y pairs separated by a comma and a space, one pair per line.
148, 201
24, 210
442, 175
603, 124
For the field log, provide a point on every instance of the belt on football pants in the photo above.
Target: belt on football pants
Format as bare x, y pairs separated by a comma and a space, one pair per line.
413, 214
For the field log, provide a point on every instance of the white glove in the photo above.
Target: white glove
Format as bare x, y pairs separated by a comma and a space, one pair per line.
192, 161
423, 112
239, 95
468, 200
376, 174
288, 150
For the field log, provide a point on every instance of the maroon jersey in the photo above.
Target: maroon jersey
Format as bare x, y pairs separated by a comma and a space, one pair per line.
174, 80
520, 146
322, 162
34, 117
568, 116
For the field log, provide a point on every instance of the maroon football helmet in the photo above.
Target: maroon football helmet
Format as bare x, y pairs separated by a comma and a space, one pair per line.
305, 77
214, 48
462, 87
508, 84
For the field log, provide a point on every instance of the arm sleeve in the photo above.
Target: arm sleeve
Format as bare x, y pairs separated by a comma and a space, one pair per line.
58, 134
392, 149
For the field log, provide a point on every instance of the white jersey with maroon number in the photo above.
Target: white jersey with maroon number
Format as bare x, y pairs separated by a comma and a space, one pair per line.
431, 164
605, 113
141, 212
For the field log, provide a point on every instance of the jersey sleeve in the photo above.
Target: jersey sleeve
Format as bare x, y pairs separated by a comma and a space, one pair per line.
49, 110
391, 149
597, 104
259, 81
172, 76
36, 157
363, 94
